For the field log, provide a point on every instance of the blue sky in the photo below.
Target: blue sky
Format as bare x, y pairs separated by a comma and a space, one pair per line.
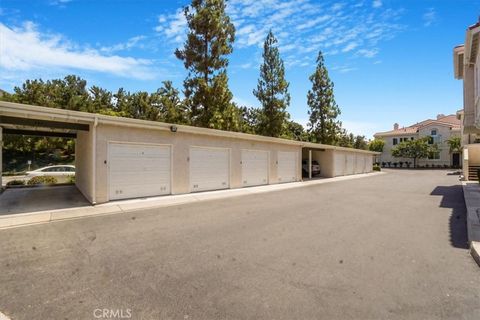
390, 60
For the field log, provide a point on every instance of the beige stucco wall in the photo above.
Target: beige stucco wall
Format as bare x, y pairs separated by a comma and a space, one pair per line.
386, 155
445, 156
181, 143
348, 163
84, 163
446, 133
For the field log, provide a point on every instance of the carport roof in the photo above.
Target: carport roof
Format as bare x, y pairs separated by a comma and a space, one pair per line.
18, 110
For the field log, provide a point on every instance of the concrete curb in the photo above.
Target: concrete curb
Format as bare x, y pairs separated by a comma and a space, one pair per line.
475, 251
471, 193
31, 218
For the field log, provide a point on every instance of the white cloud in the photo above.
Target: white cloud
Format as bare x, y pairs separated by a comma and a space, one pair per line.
368, 53
27, 49
129, 44
173, 26
350, 47
343, 69
59, 3
429, 17
302, 26
377, 3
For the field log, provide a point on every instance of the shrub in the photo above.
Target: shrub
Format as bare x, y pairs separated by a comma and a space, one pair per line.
42, 180
71, 179
376, 167
16, 183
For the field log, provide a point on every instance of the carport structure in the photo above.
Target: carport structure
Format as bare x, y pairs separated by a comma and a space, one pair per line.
337, 161
120, 158
32, 121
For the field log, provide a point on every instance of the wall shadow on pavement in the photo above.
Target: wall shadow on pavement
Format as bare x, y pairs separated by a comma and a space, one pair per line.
452, 197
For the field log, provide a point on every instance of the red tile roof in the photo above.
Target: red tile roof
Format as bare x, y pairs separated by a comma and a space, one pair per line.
450, 120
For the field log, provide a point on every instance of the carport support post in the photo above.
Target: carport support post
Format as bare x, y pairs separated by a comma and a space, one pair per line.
310, 164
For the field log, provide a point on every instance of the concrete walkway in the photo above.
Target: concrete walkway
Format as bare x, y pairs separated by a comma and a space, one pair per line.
471, 192
27, 218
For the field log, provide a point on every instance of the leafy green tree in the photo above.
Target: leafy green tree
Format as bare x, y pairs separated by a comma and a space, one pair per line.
68, 93
323, 123
209, 40
455, 144
141, 105
344, 139
250, 119
376, 145
100, 101
171, 107
272, 90
414, 149
360, 143
296, 131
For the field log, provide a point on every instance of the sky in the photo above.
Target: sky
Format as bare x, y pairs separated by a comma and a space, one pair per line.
391, 60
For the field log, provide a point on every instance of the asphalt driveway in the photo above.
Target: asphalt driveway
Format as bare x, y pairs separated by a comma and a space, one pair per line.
33, 199
385, 247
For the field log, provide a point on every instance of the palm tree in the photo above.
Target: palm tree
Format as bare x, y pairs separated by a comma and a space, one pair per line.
455, 144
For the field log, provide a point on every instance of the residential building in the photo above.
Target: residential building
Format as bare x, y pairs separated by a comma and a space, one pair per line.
466, 67
440, 130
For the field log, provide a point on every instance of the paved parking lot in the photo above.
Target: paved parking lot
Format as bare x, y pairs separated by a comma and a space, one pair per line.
386, 247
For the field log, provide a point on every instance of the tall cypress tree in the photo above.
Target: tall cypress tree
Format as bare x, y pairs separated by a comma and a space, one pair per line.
272, 90
210, 38
323, 124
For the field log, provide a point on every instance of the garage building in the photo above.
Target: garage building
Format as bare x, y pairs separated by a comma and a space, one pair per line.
121, 158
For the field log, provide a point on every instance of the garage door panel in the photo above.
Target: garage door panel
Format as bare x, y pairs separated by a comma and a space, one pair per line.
350, 165
360, 165
137, 170
340, 163
254, 167
287, 166
209, 169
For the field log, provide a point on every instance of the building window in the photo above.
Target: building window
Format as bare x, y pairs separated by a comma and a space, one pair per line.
434, 155
395, 141
433, 132
412, 138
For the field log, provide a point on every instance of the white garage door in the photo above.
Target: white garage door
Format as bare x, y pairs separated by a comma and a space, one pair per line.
350, 165
209, 169
287, 166
368, 163
137, 170
360, 167
340, 164
254, 167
